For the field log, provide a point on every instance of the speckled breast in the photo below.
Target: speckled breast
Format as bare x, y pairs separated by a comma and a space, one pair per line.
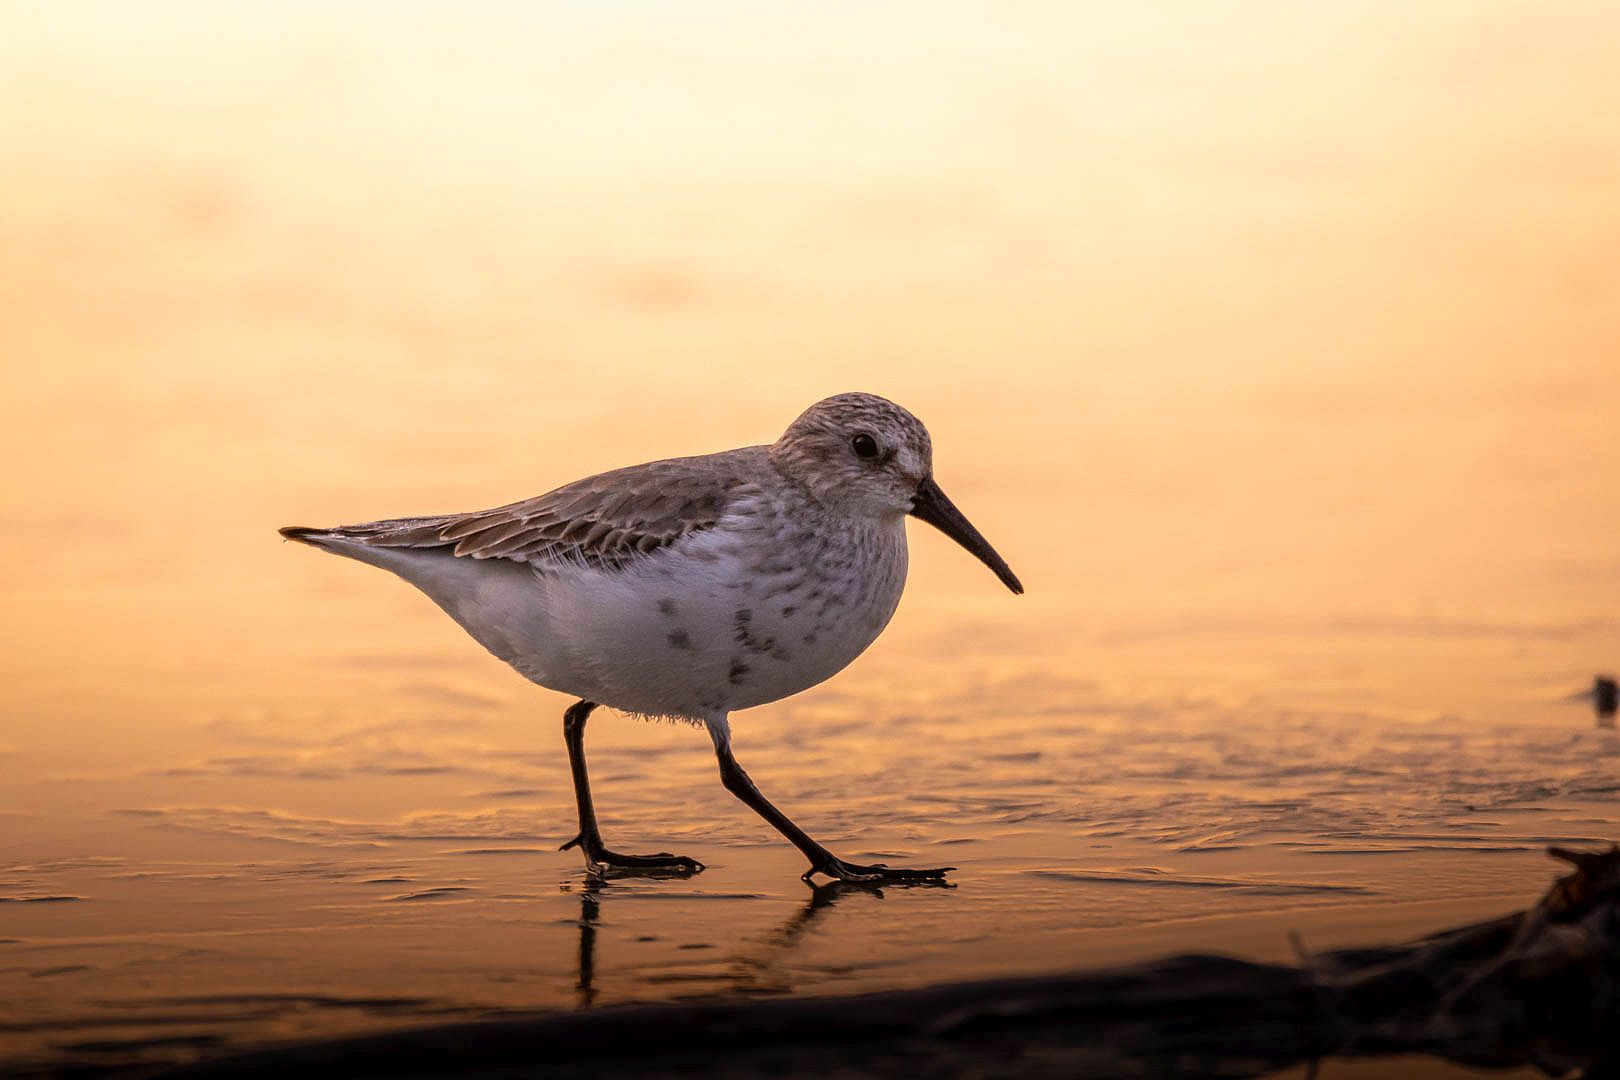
746, 614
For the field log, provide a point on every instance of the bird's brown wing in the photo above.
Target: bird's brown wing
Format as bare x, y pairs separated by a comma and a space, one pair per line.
603, 520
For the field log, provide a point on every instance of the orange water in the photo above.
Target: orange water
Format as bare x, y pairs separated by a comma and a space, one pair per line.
1274, 345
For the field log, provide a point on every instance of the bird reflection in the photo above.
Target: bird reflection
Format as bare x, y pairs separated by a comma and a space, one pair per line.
756, 969
590, 913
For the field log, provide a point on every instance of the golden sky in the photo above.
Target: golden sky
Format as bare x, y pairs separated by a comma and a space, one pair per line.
1238, 314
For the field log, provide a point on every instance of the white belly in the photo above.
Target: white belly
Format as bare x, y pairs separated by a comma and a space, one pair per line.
700, 632
694, 631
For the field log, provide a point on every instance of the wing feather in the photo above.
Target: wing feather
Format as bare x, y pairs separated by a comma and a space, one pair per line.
604, 520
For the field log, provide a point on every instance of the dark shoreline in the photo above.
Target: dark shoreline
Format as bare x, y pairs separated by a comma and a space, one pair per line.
1537, 988
1198, 1000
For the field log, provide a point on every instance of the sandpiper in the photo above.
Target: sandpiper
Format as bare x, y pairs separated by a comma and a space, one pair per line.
691, 588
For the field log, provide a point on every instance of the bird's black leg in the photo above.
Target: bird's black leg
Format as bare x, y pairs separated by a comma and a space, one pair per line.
822, 861
589, 839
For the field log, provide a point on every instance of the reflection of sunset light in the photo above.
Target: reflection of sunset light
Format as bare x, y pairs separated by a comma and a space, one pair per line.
1185, 341
1274, 345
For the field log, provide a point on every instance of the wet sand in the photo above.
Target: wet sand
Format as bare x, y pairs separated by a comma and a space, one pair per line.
208, 921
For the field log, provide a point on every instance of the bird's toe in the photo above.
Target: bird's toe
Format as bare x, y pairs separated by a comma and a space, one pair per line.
875, 872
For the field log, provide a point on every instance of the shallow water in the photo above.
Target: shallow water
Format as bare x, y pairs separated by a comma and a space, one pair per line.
1275, 356
394, 871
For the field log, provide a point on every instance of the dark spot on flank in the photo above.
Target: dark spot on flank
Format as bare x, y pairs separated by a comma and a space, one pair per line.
738, 672
787, 612
781, 655
781, 587
666, 606
742, 635
809, 639
679, 639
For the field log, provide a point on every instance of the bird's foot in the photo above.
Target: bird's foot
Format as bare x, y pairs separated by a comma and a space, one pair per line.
596, 855
877, 873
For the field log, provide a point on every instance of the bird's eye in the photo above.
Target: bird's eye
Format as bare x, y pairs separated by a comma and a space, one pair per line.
864, 445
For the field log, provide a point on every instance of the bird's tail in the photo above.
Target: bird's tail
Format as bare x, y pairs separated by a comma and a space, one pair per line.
393, 545
303, 534
417, 532
412, 549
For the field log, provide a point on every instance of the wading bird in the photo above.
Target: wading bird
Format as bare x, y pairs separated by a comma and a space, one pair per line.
691, 588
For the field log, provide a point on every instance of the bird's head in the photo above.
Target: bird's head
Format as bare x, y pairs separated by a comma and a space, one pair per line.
866, 456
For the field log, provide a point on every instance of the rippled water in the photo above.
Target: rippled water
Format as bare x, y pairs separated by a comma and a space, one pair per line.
216, 902
1273, 346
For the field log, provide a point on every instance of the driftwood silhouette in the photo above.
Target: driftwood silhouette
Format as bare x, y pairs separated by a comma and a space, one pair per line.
1541, 988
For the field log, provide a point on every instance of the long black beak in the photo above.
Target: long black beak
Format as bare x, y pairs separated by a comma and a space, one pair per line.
932, 506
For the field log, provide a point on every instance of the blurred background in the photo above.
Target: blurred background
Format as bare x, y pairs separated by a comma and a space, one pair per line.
1222, 314
1275, 345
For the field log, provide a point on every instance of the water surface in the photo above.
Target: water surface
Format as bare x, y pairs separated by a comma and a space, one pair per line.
1273, 346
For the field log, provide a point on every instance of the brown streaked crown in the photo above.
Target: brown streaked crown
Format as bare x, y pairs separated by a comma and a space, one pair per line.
816, 450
